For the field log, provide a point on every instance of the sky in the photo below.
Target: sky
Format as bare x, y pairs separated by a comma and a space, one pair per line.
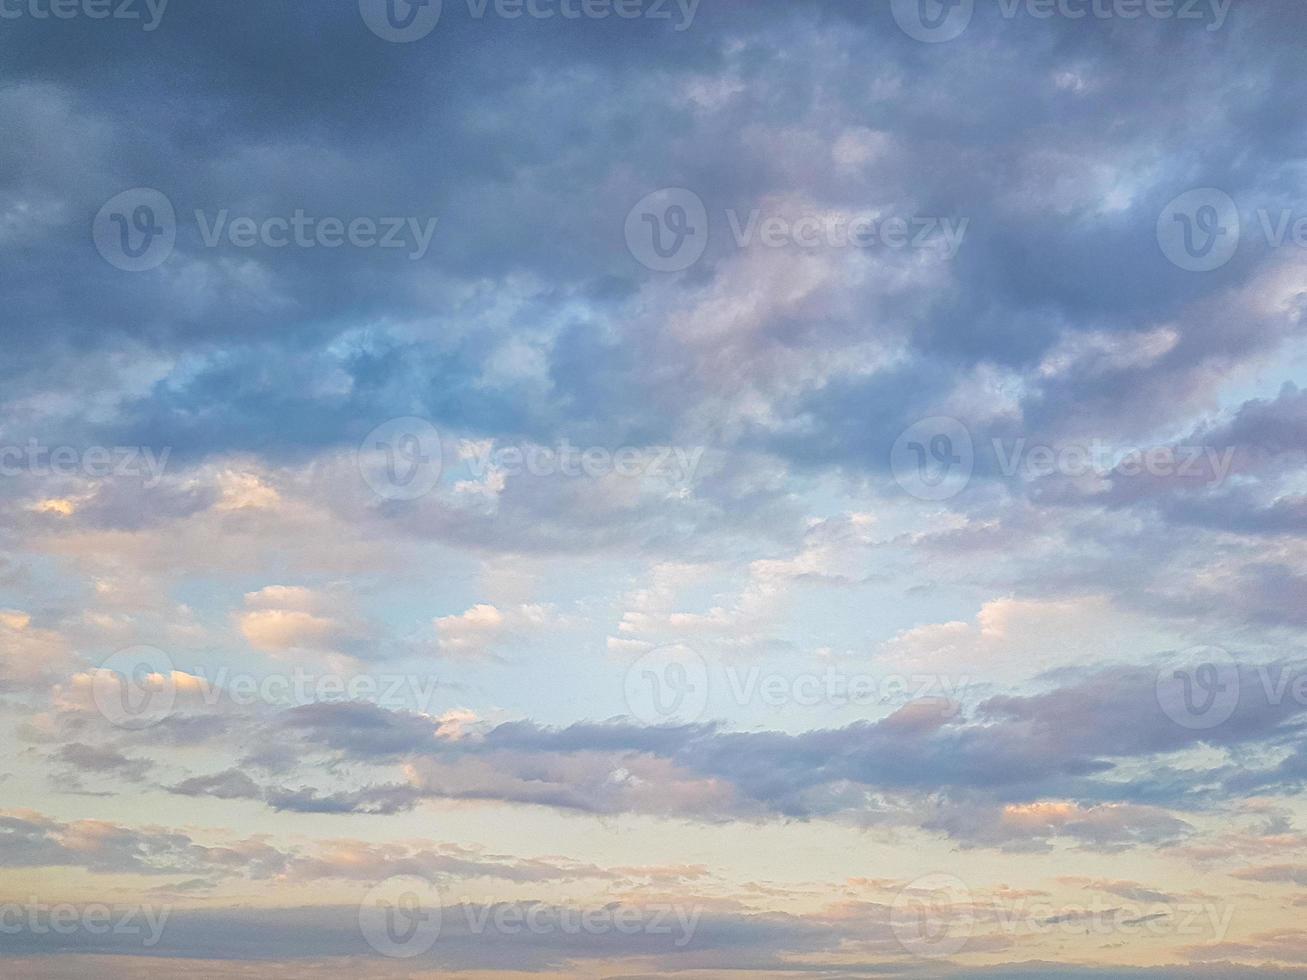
641, 488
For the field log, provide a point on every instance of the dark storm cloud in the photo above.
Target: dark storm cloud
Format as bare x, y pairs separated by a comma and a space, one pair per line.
531, 173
